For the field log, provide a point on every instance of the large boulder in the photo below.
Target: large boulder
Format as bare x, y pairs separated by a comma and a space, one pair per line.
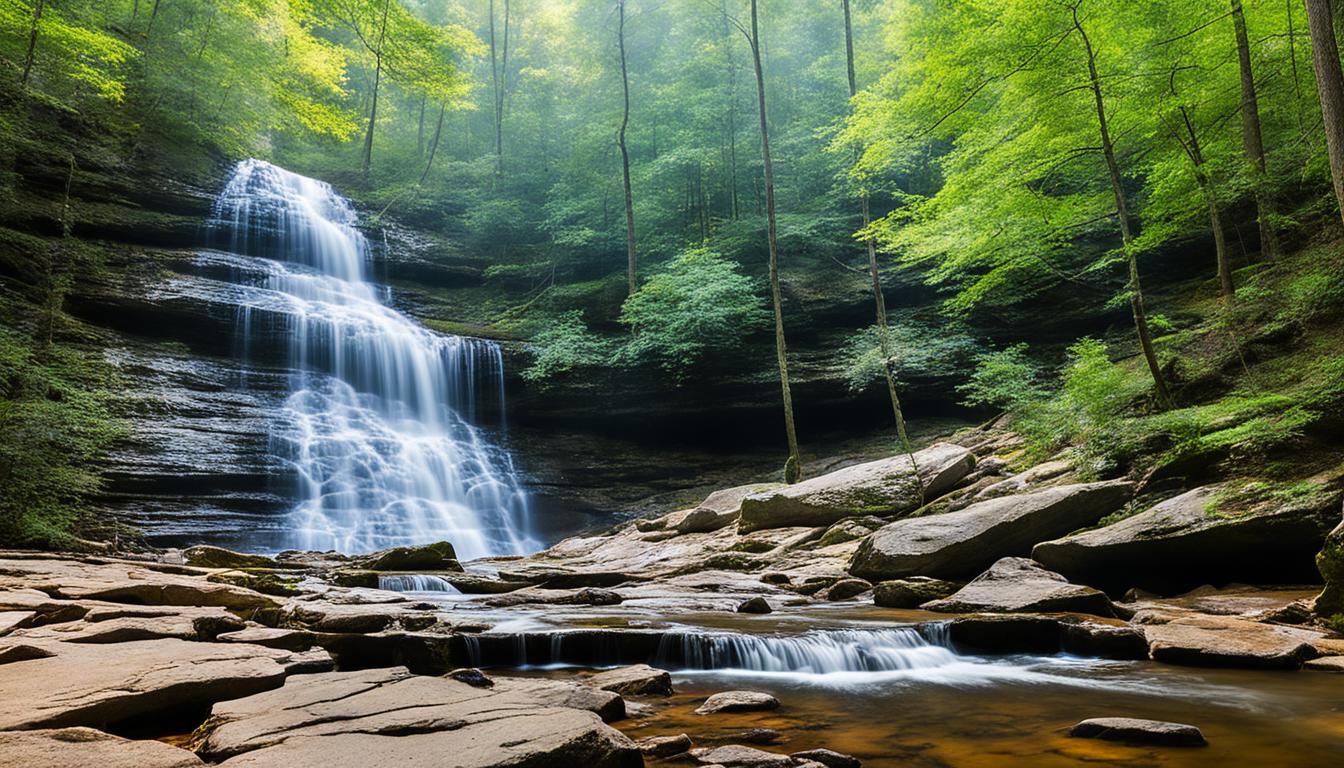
438, 556
1189, 540
83, 747
1330, 562
960, 544
1018, 585
206, 556
389, 717
884, 487
720, 509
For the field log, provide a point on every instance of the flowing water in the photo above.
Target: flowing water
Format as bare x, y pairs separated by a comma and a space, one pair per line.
378, 420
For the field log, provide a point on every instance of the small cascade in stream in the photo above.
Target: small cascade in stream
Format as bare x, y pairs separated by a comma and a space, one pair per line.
417, 583
819, 652
378, 422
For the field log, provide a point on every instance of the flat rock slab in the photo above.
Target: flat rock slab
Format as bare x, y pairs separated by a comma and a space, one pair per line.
388, 717
828, 758
125, 582
738, 701
1326, 664
1224, 641
883, 487
1019, 585
964, 543
1185, 541
1136, 731
84, 747
85, 684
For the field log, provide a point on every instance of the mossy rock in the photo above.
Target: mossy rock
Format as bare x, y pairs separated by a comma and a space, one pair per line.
1330, 562
348, 578
438, 556
263, 581
205, 556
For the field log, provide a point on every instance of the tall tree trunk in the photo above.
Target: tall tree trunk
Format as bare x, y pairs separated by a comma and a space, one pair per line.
793, 467
420, 129
377, 80
434, 144
1330, 88
734, 206
625, 157
499, 74
879, 300
1251, 139
1126, 234
1196, 155
31, 55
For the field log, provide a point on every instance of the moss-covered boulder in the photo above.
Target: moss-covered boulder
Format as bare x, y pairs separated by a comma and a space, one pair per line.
205, 556
438, 556
1253, 532
261, 580
1330, 562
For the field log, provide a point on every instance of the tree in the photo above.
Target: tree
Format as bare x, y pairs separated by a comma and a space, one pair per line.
1329, 88
499, 73
793, 467
879, 300
625, 155
1135, 287
1251, 137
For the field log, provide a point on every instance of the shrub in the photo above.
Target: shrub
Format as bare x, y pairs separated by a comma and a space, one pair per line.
697, 303
1006, 379
563, 344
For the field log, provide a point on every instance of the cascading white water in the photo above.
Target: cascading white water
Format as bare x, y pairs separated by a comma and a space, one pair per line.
377, 424
818, 653
417, 583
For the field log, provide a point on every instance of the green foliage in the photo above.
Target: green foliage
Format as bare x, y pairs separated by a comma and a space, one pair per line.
54, 424
563, 344
915, 350
697, 304
1006, 379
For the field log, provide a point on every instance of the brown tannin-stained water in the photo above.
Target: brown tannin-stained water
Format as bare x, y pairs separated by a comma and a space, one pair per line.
1249, 718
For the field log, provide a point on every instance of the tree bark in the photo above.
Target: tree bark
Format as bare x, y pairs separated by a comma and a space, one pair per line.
625, 156
793, 467
879, 300
1251, 139
499, 73
31, 55
1329, 87
734, 207
434, 144
1196, 155
1126, 234
377, 80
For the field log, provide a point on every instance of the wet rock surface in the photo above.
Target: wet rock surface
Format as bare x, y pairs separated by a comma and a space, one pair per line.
1138, 731
738, 701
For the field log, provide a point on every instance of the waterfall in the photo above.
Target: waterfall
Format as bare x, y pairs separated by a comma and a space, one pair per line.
819, 652
417, 583
378, 420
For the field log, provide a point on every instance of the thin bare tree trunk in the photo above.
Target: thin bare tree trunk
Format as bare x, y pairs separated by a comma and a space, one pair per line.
1330, 87
499, 74
732, 113
434, 145
793, 467
377, 80
1126, 234
625, 157
879, 301
1251, 139
31, 55
1196, 155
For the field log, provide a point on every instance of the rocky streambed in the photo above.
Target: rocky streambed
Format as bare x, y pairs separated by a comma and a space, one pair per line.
957, 614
